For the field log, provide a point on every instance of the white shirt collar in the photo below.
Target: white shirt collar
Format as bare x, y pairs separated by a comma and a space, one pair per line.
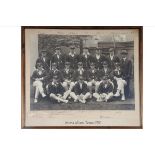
98, 56
55, 69
81, 69
124, 59
72, 54
111, 57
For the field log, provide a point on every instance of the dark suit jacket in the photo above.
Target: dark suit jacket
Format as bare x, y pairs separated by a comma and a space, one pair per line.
126, 67
55, 73
78, 90
37, 75
111, 63
86, 61
92, 75
99, 62
103, 89
44, 75
73, 61
55, 88
103, 73
77, 73
59, 61
68, 75
45, 64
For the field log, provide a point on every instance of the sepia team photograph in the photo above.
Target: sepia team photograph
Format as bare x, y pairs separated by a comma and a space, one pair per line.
82, 70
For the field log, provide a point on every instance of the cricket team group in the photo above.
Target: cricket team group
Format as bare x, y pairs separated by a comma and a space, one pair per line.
77, 78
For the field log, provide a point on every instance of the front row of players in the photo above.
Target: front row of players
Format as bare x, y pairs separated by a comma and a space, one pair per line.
79, 85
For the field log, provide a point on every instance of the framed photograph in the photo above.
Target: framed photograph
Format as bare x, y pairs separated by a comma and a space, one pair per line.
82, 77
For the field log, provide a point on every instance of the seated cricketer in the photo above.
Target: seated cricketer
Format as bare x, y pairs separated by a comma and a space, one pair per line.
121, 83
54, 71
39, 77
56, 90
67, 75
105, 90
80, 91
80, 71
93, 78
105, 70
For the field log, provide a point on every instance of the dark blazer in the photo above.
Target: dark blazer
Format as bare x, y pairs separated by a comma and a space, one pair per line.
103, 89
77, 73
102, 73
60, 61
73, 61
53, 73
45, 64
126, 67
86, 61
67, 75
77, 90
99, 62
92, 75
55, 88
111, 62
36, 75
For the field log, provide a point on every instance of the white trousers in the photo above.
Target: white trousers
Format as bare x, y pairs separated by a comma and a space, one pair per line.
81, 96
38, 88
121, 84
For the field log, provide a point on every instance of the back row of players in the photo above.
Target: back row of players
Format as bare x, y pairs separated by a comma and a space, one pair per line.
82, 76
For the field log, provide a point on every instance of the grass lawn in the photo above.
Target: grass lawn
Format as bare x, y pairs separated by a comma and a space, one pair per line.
47, 104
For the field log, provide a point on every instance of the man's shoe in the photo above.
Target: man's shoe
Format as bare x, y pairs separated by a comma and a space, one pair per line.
43, 95
82, 101
65, 101
75, 100
35, 100
117, 94
123, 98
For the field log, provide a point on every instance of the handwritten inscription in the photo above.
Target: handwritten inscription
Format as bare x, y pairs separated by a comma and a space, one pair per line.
82, 122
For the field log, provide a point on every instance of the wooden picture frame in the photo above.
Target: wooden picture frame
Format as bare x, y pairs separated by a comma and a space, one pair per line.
111, 115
